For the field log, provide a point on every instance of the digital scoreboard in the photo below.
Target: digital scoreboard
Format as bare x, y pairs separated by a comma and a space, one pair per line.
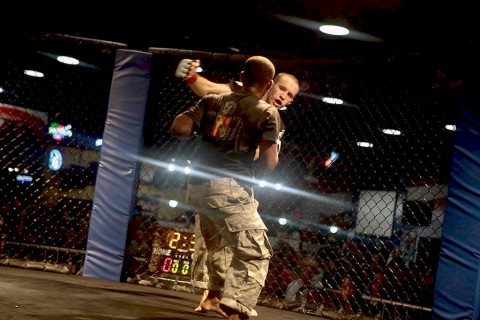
172, 252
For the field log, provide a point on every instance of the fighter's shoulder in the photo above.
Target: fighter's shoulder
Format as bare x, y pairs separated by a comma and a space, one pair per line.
267, 106
215, 96
236, 86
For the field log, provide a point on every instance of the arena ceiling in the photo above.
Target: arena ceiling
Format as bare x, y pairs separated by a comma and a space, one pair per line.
265, 26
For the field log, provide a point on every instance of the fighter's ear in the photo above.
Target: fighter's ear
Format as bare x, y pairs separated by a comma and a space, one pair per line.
269, 85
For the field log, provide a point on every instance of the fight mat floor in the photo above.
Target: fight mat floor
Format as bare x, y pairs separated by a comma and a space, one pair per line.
32, 294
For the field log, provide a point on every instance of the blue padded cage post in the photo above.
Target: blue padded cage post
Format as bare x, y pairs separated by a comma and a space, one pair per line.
117, 173
457, 286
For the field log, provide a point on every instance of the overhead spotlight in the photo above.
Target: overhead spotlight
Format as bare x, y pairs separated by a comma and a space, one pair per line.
282, 221
364, 144
333, 229
330, 28
33, 73
278, 186
68, 60
173, 203
187, 170
331, 100
334, 30
392, 132
451, 127
262, 183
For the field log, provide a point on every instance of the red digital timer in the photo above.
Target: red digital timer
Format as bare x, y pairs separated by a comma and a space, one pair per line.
172, 252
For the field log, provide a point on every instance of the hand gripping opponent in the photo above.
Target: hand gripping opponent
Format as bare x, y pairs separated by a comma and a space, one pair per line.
187, 70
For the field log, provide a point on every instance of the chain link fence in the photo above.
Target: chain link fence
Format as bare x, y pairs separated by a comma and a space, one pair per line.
354, 208
51, 117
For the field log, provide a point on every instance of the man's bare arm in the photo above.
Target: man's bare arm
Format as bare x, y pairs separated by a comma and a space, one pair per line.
268, 156
203, 86
187, 70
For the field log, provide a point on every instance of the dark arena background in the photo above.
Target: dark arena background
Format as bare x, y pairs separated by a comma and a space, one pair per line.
378, 149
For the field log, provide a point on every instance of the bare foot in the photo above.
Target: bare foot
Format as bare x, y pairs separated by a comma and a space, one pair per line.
199, 308
211, 302
234, 314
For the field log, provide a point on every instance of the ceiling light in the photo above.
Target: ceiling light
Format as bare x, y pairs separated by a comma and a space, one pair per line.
392, 132
337, 30
33, 73
1, 89
331, 100
451, 127
364, 144
334, 30
68, 60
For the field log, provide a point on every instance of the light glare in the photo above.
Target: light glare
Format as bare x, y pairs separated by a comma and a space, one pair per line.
333, 229
392, 132
334, 30
68, 60
364, 144
451, 127
33, 73
331, 100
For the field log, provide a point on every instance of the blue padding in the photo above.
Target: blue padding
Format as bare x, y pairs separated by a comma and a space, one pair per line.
116, 177
457, 292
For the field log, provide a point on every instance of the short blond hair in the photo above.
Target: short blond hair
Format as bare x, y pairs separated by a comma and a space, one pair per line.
258, 71
286, 75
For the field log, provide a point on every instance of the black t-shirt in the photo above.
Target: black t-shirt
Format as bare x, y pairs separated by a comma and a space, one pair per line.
231, 126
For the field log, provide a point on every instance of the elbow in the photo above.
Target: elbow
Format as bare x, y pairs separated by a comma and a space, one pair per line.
175, 132
180, 133
270, 163
182, 127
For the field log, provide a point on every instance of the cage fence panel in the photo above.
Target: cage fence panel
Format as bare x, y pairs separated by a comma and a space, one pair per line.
354, 208
52, 114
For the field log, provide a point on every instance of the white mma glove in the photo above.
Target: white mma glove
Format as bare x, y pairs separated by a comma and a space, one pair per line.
183, 67
187, 69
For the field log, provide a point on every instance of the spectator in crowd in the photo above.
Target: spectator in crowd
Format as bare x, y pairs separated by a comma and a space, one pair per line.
309, 279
